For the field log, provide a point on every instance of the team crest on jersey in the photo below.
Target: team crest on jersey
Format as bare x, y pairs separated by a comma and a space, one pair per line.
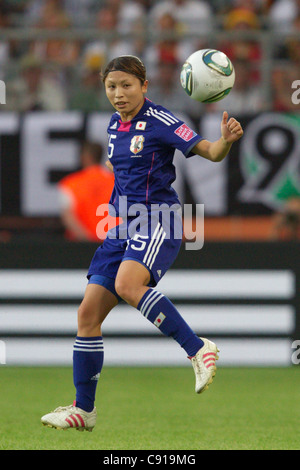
137, 144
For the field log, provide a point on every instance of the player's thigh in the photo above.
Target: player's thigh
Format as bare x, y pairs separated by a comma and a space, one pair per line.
131, 277
96, 304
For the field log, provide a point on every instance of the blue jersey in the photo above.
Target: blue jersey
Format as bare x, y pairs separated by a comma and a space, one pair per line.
142, 151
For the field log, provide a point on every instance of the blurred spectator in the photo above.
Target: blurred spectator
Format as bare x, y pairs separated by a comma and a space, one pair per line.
168, 48
11, 16
34, 90
81, 11
292, 44
282, 14
35, 9
282, 78
244, 97
166, 90
81, 192
240, 20
286, 223
4, 45
131, 20
89, 94
256, 6
266, 6
129, 13
192, 16
107, 48
62, 52
14, 6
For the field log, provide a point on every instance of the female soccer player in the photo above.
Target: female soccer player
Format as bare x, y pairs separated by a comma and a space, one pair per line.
143, 137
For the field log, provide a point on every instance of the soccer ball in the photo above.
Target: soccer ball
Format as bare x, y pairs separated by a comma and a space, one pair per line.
207, 75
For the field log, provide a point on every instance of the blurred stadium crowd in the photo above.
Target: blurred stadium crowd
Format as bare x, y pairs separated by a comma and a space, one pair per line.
51, 51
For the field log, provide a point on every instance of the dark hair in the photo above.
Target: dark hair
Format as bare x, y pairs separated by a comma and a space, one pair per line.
126, 63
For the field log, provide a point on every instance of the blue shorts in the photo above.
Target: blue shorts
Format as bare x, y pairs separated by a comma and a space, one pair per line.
154, 240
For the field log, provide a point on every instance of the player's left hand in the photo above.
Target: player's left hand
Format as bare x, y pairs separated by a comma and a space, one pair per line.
231, 129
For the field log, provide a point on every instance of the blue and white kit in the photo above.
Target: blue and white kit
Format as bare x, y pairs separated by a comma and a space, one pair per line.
141, 152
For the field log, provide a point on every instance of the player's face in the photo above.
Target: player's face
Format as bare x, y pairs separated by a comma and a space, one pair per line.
126, 93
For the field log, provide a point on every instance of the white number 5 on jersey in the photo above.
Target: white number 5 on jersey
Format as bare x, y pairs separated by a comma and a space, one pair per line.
111, 145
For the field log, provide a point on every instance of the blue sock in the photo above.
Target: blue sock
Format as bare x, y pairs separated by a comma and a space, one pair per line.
160, 311
87, 364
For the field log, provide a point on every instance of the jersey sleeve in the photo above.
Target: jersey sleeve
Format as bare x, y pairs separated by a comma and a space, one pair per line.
111, 123
174, 132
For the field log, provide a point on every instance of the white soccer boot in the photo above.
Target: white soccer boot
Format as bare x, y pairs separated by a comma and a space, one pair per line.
65, 417
204, 364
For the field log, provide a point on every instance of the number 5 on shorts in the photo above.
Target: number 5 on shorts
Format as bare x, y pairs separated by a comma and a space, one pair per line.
140, 243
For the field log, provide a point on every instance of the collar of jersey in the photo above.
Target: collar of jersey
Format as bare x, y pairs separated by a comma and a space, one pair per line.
140, 113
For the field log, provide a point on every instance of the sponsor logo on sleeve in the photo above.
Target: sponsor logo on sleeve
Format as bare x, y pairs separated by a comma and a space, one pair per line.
185, 132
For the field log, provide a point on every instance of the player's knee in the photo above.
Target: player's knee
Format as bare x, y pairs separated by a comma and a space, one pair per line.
126, 291
86, 317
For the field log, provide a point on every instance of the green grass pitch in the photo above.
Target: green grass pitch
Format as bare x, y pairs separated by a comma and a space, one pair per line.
155, 409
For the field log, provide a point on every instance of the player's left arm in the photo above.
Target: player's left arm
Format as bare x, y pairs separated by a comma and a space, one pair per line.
109, 165
231, 131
